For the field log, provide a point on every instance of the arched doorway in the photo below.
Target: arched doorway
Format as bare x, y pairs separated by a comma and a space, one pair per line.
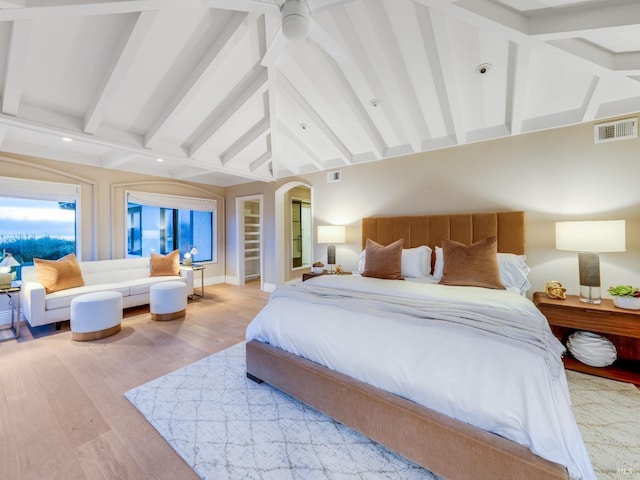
283, 229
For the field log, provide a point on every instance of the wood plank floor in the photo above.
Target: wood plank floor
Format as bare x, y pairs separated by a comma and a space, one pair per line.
63, 414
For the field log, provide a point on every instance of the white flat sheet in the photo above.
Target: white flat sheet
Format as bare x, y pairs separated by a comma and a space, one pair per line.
486, 382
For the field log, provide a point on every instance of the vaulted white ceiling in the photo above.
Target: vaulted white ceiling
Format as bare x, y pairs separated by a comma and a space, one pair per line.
215, 90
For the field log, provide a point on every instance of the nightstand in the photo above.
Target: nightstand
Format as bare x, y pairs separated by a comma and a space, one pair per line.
307, 275
620, 326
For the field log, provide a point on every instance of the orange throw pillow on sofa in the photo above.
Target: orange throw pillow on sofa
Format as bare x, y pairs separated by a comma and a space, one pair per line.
163, 265
59, 274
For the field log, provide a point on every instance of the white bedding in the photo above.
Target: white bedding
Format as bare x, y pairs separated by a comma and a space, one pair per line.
475, 376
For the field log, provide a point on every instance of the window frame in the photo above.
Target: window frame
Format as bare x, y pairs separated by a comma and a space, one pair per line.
174, 202
13, 187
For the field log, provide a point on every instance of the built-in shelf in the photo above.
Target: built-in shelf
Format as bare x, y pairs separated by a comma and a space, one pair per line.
251, 240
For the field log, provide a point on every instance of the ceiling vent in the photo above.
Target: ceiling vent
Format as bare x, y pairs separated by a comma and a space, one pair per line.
618, 130
334, 176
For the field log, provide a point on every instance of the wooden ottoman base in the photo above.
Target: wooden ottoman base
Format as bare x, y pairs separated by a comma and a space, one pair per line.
163, 317
88, 336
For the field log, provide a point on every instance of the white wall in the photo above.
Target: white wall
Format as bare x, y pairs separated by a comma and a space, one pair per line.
553, 175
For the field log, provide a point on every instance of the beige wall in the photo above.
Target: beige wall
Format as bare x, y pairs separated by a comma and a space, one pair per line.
552, 175
102, 208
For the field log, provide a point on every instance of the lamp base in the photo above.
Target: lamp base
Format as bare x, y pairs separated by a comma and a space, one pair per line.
331, 254
590, 294
5, 280
589, 269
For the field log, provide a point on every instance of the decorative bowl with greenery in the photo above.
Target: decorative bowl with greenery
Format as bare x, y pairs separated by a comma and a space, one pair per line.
624, 291
317, 267
625, 296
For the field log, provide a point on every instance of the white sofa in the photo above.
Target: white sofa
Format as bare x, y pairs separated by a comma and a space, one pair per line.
129, 276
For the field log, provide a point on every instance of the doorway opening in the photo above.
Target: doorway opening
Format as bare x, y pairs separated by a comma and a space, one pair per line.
250, 250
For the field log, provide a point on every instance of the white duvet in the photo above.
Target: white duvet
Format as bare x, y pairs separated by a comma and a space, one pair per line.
516, 389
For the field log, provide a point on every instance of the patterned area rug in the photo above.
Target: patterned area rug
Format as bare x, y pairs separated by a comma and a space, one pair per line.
608, 414
227, 427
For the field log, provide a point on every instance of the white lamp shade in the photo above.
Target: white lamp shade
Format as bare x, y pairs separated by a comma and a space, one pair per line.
591, 236
331, 234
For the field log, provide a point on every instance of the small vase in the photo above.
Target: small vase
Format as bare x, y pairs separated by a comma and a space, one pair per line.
630, 303
316, 270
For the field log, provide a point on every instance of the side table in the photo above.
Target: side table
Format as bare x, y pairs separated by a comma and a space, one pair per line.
196, 267
13, 292
620, 326
307, 275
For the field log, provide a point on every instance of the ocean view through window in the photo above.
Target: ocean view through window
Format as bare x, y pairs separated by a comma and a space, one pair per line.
37, 228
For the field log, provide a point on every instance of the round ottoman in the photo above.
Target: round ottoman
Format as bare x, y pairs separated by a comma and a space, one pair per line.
168, 300
96, 315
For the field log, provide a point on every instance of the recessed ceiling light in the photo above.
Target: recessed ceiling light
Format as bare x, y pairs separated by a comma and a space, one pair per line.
160, 160
483, 68
374, 102
67, 139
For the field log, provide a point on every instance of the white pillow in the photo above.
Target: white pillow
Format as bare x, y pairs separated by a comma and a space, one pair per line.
416, 262
513, 270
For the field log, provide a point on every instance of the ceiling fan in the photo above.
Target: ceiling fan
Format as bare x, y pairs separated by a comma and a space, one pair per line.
295, 15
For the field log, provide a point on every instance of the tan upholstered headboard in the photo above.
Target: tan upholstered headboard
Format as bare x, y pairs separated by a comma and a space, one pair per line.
465, 228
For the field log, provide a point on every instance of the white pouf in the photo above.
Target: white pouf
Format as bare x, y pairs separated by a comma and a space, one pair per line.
96, 315
168, 300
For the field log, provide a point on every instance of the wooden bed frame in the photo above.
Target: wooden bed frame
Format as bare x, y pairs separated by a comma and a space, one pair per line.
443, 445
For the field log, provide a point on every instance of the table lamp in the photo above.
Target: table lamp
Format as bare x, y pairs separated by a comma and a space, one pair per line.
6, 275
588, 239
331, 234
194, 251
187, 260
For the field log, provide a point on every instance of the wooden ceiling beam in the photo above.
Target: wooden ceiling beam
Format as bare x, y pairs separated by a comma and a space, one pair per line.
293, 93
326, 76
359, 71
255, 85
517, 82
259, 130
574, 22
235, 29
71, 8
443, 59
314, 158
116, 72
384, 55
15, 67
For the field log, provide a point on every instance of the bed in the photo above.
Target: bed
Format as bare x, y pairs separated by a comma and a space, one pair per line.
408, 364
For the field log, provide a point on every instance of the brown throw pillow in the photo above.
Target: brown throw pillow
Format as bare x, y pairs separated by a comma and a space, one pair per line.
163, 265
59, 274
474, 265
383, 262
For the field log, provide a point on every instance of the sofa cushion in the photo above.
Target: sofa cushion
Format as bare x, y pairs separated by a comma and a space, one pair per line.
141, 286
162, 265
61, 274
62, 298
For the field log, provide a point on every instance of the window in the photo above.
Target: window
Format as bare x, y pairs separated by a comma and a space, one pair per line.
39, 219
162, 223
